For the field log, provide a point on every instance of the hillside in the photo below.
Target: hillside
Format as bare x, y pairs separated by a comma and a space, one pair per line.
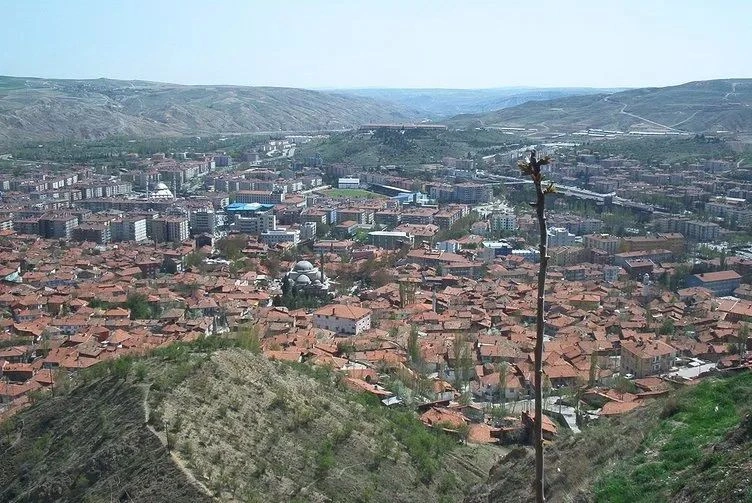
49, 109
449, 102
409, 149
693, 447
705, 106
241, 428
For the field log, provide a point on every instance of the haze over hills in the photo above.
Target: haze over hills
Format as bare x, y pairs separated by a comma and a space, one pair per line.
47, 109
695, 107
449, 102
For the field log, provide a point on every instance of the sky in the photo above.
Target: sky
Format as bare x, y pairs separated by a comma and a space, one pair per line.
380, 43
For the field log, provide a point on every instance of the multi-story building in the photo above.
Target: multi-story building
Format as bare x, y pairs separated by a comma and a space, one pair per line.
603, 242
259, 196
644, 358
273, 237
129, 229
720, 283
390, 240
99, 233
448, 215
673, 241
559, 236
389, 218
421, 216
307, 231
348, 183
343, 319
26, 225
505, 221
171, 228
472, 193
203, 220
57, 226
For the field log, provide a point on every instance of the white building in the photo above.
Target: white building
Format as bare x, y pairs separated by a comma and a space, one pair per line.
559, 236
203, 220
307, 230
129, 229
342, 319
348, 183
503, 222
256, 225
280, 236
611, 273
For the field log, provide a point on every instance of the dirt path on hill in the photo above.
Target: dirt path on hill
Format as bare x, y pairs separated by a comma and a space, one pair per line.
163, 440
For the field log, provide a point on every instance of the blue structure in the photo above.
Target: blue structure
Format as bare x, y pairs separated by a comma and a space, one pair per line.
248, 209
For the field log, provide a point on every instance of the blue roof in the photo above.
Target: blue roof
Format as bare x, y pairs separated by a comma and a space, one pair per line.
248, 207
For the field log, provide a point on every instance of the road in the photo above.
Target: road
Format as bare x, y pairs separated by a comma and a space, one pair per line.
624, 111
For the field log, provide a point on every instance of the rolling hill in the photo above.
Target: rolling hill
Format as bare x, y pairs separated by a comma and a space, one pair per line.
49, 109
195, 425
449, 102
695, 107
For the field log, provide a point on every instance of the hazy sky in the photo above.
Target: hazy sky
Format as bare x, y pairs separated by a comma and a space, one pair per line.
380, 43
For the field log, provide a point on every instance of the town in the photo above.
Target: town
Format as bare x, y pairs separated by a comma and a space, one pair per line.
418, 289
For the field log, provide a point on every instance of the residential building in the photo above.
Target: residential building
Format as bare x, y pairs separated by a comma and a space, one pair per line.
720, 283
472, 193
98, 233
390, 240
343, 319
503, 222
129, 229
172, 228
203, 220
59, 226
273, 237
644, 358
603, 242
559, 236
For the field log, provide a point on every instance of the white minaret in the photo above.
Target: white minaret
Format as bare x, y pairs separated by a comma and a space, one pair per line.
646, 286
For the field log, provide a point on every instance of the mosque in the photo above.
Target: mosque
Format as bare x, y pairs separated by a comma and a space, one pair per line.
304, 276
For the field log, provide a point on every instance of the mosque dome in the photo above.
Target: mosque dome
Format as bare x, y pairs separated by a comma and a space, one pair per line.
303, 280
303, 266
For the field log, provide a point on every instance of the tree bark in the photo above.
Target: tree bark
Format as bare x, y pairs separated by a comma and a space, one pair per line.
540, 208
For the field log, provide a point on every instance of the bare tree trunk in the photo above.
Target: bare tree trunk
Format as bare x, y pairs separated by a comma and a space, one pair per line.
539, 325
532, 167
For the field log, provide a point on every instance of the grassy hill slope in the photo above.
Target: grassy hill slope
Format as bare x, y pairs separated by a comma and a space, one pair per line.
47, 109
241, 427
704, 106
693, 447
90, 445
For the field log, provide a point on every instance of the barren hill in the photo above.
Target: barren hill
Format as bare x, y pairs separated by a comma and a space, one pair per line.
695, 107
51, 109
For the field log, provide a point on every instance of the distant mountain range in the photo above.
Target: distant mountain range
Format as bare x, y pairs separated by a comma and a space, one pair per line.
33, 109
697, 107
52, 109
437, 103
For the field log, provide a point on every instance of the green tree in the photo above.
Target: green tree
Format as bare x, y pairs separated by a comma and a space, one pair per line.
413, 348
138, 303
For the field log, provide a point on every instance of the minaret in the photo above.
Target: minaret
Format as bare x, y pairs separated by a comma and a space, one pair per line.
646, 287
